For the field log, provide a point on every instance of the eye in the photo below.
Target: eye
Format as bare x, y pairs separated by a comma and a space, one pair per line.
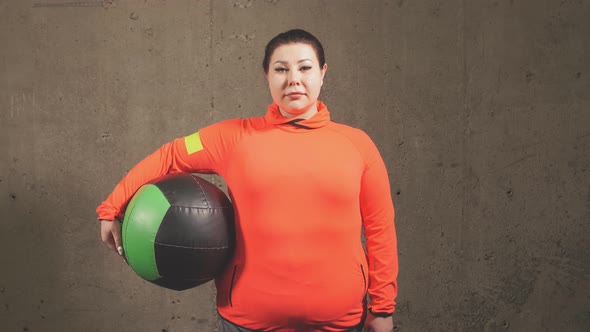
280, 69
304, 68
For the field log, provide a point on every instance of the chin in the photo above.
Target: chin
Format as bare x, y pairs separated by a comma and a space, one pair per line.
297, 108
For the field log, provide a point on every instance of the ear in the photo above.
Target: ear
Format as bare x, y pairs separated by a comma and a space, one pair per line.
323, 71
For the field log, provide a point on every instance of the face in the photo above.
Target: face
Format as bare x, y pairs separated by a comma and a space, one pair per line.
295, 79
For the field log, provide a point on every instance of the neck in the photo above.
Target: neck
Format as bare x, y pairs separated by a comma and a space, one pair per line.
306, 114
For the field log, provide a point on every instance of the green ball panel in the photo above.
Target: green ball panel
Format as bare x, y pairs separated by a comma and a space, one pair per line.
142, 220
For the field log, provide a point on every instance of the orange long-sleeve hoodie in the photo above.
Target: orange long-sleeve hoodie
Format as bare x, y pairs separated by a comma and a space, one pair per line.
302, 190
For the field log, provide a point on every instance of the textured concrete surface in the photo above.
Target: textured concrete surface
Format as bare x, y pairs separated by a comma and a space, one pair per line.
481, 110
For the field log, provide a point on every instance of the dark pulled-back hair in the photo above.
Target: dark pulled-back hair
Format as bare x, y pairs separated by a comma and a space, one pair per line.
292, 37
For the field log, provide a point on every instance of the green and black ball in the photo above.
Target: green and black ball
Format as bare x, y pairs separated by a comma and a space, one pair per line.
178, 231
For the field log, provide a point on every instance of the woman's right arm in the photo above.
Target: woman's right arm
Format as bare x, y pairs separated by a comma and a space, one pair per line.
169, 158
201, 152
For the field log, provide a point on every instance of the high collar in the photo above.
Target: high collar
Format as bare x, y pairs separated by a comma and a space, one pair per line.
321, 118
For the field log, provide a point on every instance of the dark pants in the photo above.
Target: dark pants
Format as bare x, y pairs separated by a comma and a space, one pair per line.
227, 326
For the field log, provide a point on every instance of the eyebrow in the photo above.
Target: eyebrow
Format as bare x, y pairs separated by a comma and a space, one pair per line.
285, 62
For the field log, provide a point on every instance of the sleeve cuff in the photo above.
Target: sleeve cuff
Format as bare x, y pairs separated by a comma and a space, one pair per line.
381, 314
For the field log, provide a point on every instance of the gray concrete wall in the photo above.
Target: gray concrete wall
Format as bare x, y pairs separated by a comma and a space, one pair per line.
481, 110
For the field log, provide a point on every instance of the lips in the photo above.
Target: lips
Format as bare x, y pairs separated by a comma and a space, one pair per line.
295, 94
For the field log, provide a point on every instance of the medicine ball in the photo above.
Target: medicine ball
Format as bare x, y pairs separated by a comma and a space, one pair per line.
178, 231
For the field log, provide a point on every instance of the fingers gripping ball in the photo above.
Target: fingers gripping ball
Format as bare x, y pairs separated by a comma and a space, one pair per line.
178, 231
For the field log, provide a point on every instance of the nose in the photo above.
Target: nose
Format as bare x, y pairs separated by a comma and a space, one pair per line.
294, 77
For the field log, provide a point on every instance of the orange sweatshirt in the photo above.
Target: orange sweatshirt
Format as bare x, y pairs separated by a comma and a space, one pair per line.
302, 190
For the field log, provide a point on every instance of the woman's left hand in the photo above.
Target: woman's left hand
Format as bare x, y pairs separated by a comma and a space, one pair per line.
378, 324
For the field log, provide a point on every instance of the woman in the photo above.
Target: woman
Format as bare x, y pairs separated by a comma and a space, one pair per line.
302, 188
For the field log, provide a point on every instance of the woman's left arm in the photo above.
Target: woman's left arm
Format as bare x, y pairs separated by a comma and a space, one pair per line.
381, 242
